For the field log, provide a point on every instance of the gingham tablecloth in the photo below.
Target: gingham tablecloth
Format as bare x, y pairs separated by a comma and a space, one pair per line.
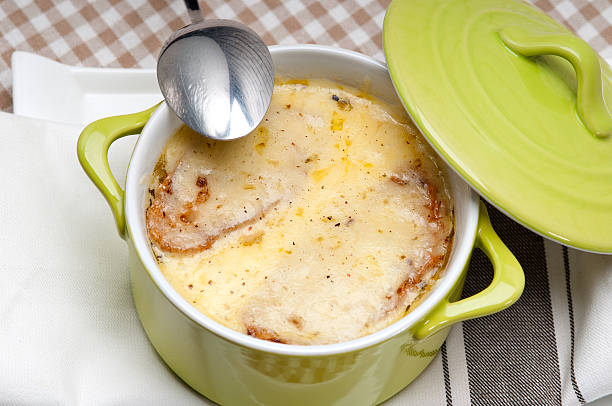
129, 33
550, 348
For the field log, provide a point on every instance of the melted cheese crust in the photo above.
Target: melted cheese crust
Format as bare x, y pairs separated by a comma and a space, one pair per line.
323, 225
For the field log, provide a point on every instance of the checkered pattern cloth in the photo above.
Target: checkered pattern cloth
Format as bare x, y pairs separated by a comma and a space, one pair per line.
129, 33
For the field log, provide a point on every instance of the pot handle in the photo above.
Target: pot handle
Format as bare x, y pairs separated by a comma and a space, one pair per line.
92, 150
505, 289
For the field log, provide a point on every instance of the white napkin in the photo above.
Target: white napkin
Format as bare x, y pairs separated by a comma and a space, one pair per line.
69, 334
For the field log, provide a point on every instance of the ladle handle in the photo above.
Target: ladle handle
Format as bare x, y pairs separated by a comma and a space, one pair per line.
193, 9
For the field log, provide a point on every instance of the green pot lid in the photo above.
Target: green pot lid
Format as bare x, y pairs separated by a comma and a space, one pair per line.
492, 85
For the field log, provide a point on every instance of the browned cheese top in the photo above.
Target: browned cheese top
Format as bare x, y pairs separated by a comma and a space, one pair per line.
323, 225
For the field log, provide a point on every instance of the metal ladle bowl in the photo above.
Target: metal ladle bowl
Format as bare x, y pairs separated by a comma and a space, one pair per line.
216, 75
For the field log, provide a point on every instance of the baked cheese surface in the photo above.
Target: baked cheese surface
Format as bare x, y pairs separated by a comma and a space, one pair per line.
323, 225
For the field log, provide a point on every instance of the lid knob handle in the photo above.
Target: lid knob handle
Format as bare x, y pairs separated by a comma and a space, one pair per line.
590, 100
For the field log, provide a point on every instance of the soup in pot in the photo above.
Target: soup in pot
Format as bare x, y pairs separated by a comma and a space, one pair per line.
327, 223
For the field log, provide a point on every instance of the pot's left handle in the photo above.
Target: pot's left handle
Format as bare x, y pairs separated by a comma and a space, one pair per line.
505, 289
92, 150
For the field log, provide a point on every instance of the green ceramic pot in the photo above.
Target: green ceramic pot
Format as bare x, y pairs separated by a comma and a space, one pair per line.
234, 369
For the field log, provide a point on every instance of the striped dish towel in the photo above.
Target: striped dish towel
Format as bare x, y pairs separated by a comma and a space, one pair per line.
552, 347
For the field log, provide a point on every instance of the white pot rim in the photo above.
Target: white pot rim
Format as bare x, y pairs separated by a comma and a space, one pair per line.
134, 213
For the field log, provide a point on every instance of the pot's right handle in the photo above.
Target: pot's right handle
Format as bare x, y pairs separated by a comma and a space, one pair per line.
92, 150
505, 289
